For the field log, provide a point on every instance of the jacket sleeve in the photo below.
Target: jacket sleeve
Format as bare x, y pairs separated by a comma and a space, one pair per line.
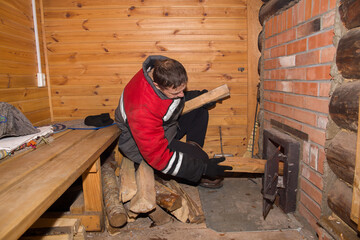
148, 132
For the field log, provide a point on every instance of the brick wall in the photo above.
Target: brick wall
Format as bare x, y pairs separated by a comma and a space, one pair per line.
297, 57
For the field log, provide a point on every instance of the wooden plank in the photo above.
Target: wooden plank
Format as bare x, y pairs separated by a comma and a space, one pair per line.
248, 165
92, 188
131, 68
166, 12
80, 37
54, 226
145, 46
124, 57
211, 96
16, 168
36, 191
69, 4
355, 205
145, 24
254, 28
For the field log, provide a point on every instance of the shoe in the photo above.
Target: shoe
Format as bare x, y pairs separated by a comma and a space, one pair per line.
208, 183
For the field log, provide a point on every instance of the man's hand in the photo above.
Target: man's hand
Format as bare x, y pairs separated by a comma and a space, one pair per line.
213, 170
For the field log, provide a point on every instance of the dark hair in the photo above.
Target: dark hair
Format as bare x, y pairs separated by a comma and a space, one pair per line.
169, 73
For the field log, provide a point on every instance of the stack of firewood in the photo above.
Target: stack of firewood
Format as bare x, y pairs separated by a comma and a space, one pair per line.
129, 193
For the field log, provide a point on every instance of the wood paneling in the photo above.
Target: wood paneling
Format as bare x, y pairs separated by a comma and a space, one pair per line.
18, 64
95, 47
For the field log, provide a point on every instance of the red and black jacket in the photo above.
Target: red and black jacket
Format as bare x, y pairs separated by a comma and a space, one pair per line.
148, 121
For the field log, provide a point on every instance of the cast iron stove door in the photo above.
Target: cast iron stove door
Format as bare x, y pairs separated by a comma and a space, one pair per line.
271, 181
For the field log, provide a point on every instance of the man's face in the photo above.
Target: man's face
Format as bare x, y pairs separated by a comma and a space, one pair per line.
173, 92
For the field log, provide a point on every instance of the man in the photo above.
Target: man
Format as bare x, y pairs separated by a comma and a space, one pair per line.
149, 116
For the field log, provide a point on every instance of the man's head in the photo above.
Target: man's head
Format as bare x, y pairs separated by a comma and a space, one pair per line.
170, 77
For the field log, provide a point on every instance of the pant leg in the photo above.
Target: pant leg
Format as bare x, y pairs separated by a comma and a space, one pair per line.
194, 125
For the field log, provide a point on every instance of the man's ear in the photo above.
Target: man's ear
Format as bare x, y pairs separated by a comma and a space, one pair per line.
156, 85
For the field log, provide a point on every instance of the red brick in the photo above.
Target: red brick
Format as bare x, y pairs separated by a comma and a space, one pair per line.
275, 26
308, 7
310, 204
267, 54
296, 73
301, 11
275, 97
328, 20
267, 75
318, 73
324, 6
295, 100
322, 122
293, 124
295, 47
295, 14
324, 89
312, 176
289, 18
271, 64
271, 42
278, 51
306, 152
303, 116
269, 106
306, 88
332, 4
316, 8
284, 86
283, 21
315, 135
311, 190
308, 28
286, 36
269, 85
308, 216
322, 159
308, 58
278, 74
287, 61
314, 155
321, 39
316, 104
267, 29
327, 54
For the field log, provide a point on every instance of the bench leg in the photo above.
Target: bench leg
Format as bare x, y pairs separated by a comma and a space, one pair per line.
93, 198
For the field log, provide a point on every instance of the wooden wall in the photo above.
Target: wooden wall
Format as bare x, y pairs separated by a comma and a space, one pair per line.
18, 64
95, 47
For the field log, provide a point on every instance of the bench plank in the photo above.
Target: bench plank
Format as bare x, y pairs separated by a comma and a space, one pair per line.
23, 202
16, 168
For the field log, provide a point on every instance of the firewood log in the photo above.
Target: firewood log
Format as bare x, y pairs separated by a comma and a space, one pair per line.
270, 8
159, 216
166, 197
114, 209
211, 96
145, 199
128, 185
196, 214
341, 154
349, 13
339, 201
347, 54
344, 105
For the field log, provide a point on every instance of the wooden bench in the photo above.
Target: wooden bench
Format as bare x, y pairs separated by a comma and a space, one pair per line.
30, 183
